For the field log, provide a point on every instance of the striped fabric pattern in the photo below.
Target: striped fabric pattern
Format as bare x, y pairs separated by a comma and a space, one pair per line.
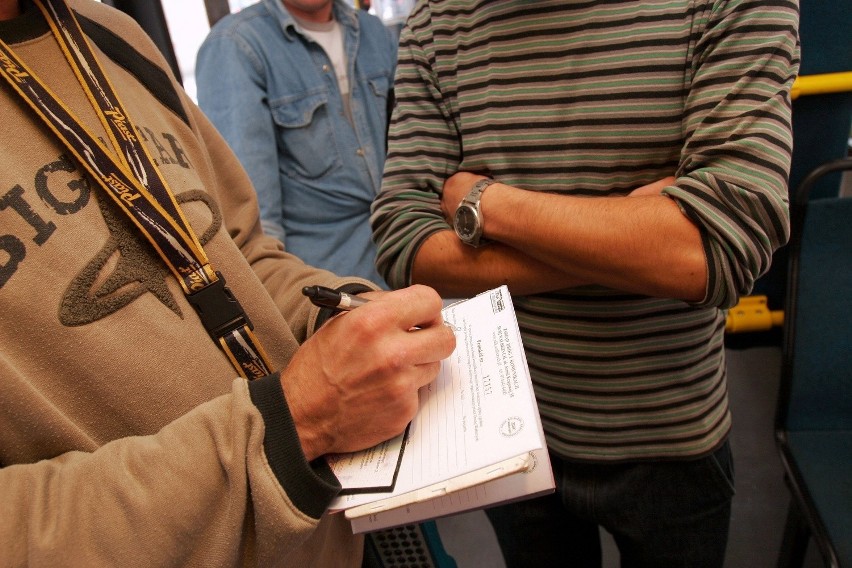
595, 98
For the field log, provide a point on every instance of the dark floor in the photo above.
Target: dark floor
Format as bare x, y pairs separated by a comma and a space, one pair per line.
759, 507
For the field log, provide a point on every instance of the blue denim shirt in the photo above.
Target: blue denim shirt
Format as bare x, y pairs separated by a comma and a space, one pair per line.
272, 93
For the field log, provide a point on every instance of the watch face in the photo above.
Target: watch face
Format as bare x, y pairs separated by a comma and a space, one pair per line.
466, 223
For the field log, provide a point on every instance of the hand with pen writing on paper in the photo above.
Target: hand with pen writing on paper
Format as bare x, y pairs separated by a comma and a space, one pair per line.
354, 383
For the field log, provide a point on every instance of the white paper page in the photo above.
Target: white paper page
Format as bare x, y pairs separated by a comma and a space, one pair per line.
479, 410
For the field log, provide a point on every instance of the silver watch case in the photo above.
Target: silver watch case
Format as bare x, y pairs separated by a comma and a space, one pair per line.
467, 220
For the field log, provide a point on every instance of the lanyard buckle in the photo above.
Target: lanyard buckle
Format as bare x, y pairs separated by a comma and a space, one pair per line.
218, 308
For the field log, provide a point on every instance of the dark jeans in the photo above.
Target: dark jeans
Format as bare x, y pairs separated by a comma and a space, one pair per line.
661, 514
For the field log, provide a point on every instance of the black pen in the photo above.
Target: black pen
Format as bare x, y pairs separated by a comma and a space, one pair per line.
328, 298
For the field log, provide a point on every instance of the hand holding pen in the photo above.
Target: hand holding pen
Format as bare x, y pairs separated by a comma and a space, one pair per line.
340, 301
354, 382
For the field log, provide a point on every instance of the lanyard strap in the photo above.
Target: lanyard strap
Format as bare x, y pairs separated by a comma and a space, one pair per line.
131, 178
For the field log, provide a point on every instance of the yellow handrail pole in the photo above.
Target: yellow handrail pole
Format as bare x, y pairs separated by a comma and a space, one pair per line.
821, 84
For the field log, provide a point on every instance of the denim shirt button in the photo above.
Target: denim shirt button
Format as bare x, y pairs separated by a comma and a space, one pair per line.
360, 151
326, 68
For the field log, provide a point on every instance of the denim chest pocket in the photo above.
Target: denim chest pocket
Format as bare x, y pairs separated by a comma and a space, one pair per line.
305, 135
380, 85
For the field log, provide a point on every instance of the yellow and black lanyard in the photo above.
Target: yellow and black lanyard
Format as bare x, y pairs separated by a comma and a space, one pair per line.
131, 178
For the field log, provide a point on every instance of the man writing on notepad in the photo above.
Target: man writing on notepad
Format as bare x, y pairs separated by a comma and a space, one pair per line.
167, 391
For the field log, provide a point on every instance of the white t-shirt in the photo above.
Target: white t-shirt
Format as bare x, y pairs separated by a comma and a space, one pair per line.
329, 35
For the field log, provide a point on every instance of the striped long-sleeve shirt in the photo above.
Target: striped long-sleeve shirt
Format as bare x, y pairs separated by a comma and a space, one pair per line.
595, 98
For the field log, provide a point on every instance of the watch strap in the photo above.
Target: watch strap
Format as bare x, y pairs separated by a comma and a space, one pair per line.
475, 194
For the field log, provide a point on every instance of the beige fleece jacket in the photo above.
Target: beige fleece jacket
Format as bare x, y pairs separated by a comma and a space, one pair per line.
125, 436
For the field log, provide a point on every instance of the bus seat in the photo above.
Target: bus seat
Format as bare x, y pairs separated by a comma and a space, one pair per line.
813, 422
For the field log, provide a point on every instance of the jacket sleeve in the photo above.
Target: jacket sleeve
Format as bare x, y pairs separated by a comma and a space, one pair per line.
188, 483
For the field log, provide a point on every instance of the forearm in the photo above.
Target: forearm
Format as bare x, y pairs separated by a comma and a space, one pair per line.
642, 244
459, 271
190, 483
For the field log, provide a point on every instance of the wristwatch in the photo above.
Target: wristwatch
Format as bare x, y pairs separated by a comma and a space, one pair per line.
468, 218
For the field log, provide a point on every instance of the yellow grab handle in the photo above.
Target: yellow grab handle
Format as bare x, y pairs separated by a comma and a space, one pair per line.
821, 84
